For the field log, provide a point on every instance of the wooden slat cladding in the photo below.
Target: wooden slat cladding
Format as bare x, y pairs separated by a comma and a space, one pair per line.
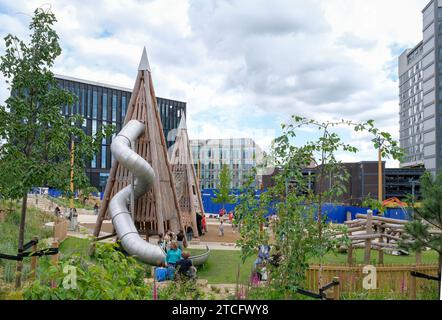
158, 209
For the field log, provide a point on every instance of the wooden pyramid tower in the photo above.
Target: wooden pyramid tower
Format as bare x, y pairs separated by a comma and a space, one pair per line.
186, 181
158, 210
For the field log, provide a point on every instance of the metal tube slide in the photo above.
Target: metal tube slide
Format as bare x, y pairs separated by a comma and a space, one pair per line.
118, 206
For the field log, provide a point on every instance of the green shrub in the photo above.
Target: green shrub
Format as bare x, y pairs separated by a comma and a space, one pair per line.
110, 275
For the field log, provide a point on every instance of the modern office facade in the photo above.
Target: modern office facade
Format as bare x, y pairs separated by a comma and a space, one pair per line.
420, 81
103, 104
240, 155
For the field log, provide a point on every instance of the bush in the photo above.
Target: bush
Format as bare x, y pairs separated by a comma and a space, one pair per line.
183, 290
9, 238
109, 275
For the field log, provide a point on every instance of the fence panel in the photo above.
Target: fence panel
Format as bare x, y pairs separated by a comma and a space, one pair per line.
390, 278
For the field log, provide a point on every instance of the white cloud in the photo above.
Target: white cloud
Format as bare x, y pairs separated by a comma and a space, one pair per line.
242, 66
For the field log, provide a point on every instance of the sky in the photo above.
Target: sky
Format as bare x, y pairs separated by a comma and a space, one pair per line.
243, 67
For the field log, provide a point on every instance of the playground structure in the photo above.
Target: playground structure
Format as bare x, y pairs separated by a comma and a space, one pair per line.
371, 232
142, 178
187, 186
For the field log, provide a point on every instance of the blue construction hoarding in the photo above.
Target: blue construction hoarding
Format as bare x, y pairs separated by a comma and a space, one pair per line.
333, 213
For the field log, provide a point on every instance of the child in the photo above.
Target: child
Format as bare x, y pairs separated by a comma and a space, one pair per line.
185, 267
161, 242
161, 272
221, 229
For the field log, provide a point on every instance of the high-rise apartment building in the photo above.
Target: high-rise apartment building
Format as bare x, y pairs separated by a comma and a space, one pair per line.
420, 94
103, 104
240, 155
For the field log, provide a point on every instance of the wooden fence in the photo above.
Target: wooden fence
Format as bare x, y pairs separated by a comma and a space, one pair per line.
390, 278
60, 230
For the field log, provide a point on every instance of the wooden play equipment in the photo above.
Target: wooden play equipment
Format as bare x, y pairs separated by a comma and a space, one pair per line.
158, 210
371, 232
186, 181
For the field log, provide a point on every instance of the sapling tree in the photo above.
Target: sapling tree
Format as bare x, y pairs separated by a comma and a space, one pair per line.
300, 232
223, 195
36, 135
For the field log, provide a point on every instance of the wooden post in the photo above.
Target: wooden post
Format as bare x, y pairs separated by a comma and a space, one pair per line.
413, 286
350, 247
54, 261
368, 229
380, 184
336, 289
381, 240
34, 259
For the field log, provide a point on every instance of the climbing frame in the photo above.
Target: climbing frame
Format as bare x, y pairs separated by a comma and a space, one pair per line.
158, 210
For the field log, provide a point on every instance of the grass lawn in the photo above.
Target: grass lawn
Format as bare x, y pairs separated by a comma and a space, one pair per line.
222, 266
66, 202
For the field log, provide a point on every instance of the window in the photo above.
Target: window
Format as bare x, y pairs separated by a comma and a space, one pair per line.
114, 107
94, 127
123, 106
103, 157
104, 116
89, 106
94, 162
94, 105
83, 102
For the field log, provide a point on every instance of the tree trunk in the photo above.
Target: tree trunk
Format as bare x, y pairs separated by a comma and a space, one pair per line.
21, 237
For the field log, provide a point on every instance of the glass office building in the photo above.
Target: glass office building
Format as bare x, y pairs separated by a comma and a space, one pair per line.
240, 155
107, 104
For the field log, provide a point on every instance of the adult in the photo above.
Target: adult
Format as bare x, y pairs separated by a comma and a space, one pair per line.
203, 223
189, 233
173, 255
230, 216
57, 211
199, 219
221, 229
96, 209
180, 239
221, 213
185, 267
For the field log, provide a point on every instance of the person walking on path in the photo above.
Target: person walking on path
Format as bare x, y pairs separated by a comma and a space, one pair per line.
199, 219
204, 224
221, 229
96, 209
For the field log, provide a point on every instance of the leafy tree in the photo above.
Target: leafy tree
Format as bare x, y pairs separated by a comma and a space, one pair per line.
374, 205
300, 232
425, 230
222, 195
36, 136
